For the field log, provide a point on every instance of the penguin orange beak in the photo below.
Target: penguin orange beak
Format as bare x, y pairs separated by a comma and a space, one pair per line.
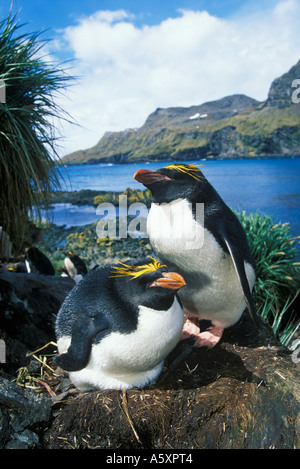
149, 177
170, 280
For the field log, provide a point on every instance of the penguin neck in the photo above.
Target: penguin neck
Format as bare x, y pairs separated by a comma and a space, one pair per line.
196, 192
165, 193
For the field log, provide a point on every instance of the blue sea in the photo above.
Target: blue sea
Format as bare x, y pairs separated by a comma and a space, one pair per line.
270, 186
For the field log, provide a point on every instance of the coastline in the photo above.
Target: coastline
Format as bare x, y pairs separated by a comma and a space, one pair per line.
95, 197
116, 161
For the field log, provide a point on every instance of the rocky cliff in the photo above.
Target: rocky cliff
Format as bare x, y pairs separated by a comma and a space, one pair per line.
234, 126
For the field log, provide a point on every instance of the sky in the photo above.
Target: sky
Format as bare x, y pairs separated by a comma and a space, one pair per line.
131, 57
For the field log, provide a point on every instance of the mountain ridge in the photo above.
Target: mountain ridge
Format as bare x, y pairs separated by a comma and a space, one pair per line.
235, 126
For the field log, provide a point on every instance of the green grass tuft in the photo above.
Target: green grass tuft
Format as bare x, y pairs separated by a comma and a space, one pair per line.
278, 272
28, 168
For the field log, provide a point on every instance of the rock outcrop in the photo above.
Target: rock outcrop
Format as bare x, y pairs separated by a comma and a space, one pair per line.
231, 127
28, 306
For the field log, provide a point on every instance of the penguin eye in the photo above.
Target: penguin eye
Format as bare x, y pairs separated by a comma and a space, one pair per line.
147, 280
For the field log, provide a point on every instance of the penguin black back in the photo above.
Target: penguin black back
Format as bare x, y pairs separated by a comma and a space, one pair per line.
37, 262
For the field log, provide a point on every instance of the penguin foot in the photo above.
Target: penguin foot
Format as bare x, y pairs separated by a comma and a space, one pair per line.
189, 329
209, 338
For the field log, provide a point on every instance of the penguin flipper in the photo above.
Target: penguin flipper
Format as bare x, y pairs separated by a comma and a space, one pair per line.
84, 330
239, 266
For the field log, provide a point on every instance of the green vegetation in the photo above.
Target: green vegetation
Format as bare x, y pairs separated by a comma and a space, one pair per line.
94, 197
278, 272
27, 141
133, 196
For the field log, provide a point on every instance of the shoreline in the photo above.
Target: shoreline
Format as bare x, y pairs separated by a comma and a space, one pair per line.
110, 160
95, 197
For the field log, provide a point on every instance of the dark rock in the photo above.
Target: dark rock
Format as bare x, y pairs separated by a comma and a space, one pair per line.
20, 409
224, 141
28, 305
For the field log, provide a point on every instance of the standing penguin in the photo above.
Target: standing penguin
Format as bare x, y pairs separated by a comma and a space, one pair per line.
75, 266
116, 327
37, 262
195, 233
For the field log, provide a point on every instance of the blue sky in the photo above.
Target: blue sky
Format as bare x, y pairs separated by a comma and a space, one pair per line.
134, 56
55, 14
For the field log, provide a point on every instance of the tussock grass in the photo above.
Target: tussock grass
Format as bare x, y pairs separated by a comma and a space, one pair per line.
277, 288
28, 169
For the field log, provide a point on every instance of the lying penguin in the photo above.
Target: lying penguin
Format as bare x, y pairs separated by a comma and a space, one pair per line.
116, 327
209, 248
37, 262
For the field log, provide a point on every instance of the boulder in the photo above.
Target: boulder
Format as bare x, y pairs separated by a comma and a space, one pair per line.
28, 306
20, 409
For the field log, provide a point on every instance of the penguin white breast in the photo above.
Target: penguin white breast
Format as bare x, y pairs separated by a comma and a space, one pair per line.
172, 226
177, 236
70, 267
156, 334
28, 268
212, 288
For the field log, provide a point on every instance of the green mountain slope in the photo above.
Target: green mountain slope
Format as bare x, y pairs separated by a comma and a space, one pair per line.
232, 127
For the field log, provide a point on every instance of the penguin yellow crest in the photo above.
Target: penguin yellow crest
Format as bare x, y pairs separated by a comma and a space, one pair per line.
136, 271
190, 169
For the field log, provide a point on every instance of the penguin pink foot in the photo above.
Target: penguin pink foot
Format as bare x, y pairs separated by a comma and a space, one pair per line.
189, 329
209, 338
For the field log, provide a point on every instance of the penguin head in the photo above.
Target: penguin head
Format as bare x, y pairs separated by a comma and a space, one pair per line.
175, 181
69, 254
146, 282
30, 252
33, 255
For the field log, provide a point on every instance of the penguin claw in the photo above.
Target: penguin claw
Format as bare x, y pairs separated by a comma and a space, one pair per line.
209, 338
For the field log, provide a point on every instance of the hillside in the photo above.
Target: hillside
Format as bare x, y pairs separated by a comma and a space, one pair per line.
232, 127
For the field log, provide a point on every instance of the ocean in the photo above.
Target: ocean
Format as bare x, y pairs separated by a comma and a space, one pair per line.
265, 185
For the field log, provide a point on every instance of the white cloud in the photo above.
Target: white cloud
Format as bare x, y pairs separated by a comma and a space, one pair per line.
128, 71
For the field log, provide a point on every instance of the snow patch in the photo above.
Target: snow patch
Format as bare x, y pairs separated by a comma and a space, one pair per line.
198, 116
